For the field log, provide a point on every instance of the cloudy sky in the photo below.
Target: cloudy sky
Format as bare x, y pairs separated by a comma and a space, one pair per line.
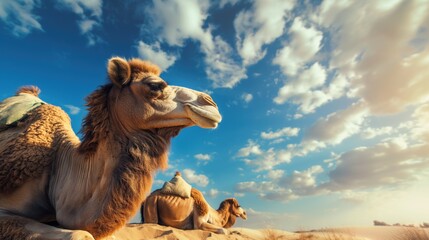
325, 104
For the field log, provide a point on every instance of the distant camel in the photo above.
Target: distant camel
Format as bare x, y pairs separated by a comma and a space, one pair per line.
95, 186
190, 213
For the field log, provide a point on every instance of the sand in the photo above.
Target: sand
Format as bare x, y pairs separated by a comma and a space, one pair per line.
154, 231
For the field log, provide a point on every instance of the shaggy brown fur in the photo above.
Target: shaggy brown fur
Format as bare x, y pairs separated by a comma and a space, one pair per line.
33, 90
29, 150
13, 228
139, 67
229, 208
200, 204
96, 124
145, 152
97, 184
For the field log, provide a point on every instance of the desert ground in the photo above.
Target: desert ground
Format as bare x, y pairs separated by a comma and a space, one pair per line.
154, 231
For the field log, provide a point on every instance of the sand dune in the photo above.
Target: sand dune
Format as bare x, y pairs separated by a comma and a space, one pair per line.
385, 232
154, 231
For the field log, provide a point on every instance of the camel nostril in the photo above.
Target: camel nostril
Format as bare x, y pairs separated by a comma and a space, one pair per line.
206, 100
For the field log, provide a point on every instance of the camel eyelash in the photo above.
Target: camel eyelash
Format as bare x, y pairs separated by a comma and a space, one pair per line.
157, 86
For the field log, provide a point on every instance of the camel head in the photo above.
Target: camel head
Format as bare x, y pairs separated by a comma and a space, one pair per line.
236, 209
141, 99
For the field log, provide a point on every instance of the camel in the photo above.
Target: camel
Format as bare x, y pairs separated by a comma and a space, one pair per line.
91, 187
193, 212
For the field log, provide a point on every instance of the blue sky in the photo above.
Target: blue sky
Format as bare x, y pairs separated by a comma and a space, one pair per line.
325, 104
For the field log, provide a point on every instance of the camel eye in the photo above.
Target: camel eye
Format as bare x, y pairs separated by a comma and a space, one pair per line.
157, 86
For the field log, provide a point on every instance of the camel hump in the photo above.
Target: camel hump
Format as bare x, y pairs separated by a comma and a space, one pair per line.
200, 204
15, 108
33, 90
177, 186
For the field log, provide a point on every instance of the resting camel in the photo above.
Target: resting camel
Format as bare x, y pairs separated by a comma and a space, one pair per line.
93, 186
190, 213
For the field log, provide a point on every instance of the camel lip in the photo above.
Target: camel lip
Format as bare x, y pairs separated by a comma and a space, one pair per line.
204, 116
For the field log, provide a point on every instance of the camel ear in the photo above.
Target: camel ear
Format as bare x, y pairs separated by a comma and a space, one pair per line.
119, 71
235, 202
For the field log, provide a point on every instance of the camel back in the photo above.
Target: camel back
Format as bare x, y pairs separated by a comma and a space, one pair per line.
26, 150
15, 108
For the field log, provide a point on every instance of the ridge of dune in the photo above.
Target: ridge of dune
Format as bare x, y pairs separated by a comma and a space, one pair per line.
158, 232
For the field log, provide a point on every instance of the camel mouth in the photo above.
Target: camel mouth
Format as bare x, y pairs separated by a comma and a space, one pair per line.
243, 216
241, 213
204, 116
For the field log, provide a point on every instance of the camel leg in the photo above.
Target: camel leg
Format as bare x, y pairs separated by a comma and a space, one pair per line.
213, 228
200, 222
150, 210
16, 227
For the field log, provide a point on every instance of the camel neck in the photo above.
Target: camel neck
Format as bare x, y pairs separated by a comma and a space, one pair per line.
224, 214
104, 178
109, 183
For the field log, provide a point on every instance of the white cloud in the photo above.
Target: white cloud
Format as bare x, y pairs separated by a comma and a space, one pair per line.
305, 43
213, 193
272, 111
87, 25
157, 184
303, 182
277, 141
369, 133
251, 148
81, 6
338, 126
330, 130
308, 89
269, 159
220, 67
305, 147
354, 196
247, 97
284, 132
222, 3
275, 174
73, 110
18, 16
236, 194
155, 54
193, 178
297, 116
177, 21
207, 91
282, 195
256, 187
311, 78
284, 188
389, 163
420, 130
260, 26
202, 157
90, 14
263, 160
386, 61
